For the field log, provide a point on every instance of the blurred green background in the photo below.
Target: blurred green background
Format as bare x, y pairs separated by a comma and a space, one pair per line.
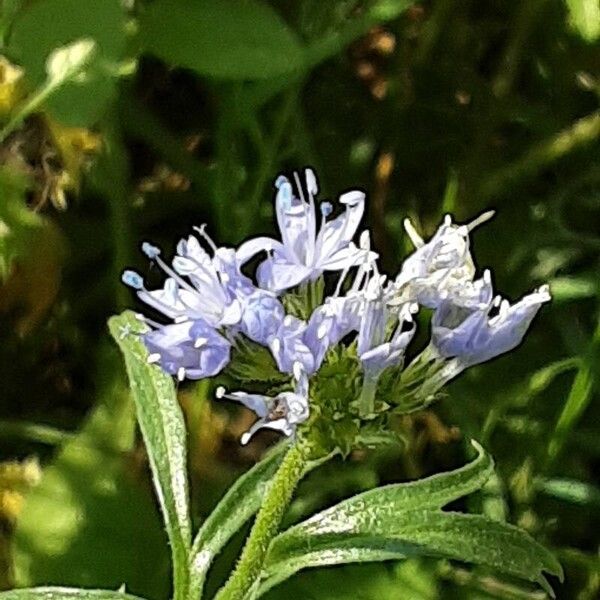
186, 114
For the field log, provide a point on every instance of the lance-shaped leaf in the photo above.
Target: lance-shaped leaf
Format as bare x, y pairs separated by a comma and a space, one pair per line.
64, 593
239, 504
401, 520
161, 422
224, 39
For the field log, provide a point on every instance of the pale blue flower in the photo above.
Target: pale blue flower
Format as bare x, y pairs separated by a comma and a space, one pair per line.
191, 350
462, 327
303, 254
283, 412
289, 347
196, 288
262, 316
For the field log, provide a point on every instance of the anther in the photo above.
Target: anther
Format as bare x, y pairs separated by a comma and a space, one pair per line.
150, 251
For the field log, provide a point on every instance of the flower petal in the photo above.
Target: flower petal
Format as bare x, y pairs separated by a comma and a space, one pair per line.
277, 275
335, 234
253, 246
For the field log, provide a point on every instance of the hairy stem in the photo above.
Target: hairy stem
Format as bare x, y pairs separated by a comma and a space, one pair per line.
266, 525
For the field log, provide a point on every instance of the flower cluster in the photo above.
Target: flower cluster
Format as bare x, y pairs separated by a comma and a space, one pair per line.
212, 305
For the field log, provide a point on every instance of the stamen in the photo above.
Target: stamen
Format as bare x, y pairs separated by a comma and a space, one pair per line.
312, 187
150, 251
299, 186
180, 374
153, 358
220, 392
167, 269
202, 233
482, 218
280, 181
326, 209
415, 238
132, 279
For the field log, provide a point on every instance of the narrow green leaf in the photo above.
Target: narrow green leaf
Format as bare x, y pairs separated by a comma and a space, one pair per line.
64, 593
432, 492
403, 520
161, 422
469, 538
225, 39
571, 490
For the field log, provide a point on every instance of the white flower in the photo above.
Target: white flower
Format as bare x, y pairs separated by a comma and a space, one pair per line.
439, 265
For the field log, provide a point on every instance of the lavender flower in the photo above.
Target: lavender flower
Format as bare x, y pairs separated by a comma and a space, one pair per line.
283, 412
192, 350
463, 329
303, 254
289, 346
211, 303
195, 288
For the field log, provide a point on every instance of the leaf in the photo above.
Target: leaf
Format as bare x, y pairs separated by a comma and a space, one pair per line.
64, 593
161, 422
584, 17
78, 525
566, 289
432, 492
239, 504
401, 520
225, 39
371, 581
45, 25
571, 490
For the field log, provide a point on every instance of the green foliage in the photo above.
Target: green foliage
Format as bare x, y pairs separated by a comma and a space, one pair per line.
161, 422
64, 593
403, 520
221, 38
253, 365
43, 26
77, 525
333, 390
584, 16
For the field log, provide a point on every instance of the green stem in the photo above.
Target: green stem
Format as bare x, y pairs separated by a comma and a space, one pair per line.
268, 519
29, 107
